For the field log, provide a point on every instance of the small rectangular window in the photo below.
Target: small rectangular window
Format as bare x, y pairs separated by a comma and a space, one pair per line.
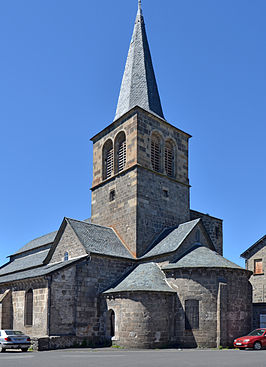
112, 195
258, 266
165, 193
192, 314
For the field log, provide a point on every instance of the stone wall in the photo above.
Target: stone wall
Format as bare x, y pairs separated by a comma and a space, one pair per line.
63, 302
258, 281
233, 305
76, 304
69, 243
92, 279
214, 227
128, 124
121, 213
145, 201
155, 210
148, 124
17, 308
67, 341
142, 319
6, 310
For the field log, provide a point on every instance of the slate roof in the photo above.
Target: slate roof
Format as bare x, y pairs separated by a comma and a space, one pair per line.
246, 253
171, 239
99, 239
201, 257
139, 87
38, 242
145, 277
24, 262
39, 271
42, 241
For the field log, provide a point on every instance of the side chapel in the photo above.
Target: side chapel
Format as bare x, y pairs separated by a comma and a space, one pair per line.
146, 270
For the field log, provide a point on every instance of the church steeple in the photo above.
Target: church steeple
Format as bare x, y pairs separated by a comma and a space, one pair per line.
139, 87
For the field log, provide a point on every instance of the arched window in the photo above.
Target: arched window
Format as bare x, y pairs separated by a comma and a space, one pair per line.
29, 307
66, 256
120, 152
111, 315
156, 152
169, 159
108, 159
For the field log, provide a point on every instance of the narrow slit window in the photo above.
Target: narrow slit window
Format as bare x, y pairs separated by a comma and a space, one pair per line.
29, 307
169, 159
112, 195
66, 256
258, 266
155, 153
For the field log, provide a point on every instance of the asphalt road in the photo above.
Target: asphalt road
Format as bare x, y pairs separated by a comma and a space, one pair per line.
110, 357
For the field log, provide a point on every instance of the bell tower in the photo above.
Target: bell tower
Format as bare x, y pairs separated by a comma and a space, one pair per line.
140, 161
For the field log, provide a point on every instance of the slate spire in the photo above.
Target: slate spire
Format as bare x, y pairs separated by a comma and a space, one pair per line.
139, 87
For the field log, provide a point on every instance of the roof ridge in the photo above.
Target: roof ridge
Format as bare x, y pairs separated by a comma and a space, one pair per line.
171, 229
92, 224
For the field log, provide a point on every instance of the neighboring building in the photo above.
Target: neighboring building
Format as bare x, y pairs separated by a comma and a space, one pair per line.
255, 258
146, 271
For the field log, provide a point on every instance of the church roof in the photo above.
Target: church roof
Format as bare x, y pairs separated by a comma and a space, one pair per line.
201, 257
41, 241
38, 271
139, 87
24, 262
145, 277
171, 239
38, 242
99, 239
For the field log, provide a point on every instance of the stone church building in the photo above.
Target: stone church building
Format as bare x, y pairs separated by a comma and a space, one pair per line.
145, 270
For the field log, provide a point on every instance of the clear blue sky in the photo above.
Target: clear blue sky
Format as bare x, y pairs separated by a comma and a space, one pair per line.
61, 66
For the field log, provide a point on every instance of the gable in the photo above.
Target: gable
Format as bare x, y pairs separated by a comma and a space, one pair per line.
255, 248
67, 242
198, 236
180, 239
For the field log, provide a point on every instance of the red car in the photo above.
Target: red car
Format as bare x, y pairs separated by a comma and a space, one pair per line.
256, 339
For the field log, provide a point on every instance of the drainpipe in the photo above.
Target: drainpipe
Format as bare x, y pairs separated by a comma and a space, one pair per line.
49, 278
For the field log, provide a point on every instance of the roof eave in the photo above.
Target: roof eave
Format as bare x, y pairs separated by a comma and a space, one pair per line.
133, 109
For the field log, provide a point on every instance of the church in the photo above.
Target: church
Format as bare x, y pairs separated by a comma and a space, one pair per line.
145, 271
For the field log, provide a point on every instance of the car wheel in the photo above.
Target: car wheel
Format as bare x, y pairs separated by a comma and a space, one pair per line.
257, 346
24, 349
2, 350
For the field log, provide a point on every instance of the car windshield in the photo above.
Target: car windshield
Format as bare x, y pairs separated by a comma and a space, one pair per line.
12, 332
257, 332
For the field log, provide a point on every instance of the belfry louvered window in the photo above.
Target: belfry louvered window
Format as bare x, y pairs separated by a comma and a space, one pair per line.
155, 153
109, 162
169, 159
120, 152
108, 159
29, 307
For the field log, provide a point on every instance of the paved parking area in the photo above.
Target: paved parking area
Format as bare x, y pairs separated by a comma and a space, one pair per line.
110, 357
